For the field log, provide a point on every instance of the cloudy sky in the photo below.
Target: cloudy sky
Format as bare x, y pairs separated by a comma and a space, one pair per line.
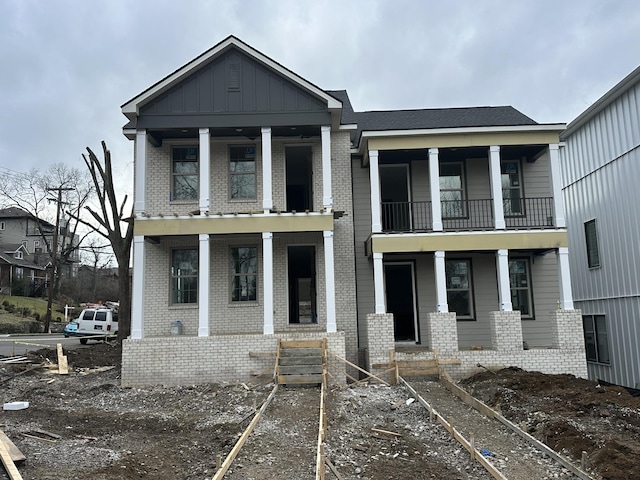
68, 65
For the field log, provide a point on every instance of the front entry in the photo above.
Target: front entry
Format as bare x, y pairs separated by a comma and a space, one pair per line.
400, 292
301, 261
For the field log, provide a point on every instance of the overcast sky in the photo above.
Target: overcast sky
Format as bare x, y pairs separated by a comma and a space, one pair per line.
68, 66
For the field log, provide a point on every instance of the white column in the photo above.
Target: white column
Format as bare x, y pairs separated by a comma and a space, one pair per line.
205, 168
374, 181
203, 285
434, 184
556, 182
327, 195
267, 195
441, 282
137, 291
504, 285
378, 284
495, 176
566, 295
329, 281
267, 281
140, 187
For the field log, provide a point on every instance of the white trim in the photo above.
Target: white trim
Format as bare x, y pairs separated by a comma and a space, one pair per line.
564, 276
556, 182
151, 218
441, 282
495, 179
267, 282
434, 184
350, 126
374, 182
267, 189
556, 127
140, 168
131, 107
204, 253
204, 157
329, 282
137, 291
414, 295
504, 285
470, 233
378, 284
327, 196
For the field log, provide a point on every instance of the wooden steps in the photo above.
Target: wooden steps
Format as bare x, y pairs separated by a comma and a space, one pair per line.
300, 362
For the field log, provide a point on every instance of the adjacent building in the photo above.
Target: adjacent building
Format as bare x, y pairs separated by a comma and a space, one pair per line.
600, 166
266, 208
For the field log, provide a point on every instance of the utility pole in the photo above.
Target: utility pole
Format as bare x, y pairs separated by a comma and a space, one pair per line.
54, 256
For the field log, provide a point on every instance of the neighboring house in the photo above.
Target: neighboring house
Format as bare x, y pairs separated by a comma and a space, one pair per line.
601, 171
260, 199
19, 274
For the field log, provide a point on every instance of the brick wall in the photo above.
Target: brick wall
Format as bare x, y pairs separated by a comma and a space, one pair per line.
566, 329
381, 339
442, 331
506, 330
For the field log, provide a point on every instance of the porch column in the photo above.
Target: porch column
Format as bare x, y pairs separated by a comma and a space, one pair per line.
378, 284
205, 168
434, 183
329, 281
137, 290
374, 179
139, 190
556, 183
327, 196
267, 281
267, 195
495, 176
441, 282
566, 295
504, 285
203, 284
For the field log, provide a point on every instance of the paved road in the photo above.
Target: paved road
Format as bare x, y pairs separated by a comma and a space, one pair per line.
11, 345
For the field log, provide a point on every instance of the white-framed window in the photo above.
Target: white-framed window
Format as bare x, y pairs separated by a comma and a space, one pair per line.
244, 274
19, 272
520, 283
596, 338
510, 174
184, 173
18, 255
36, 244
459, 288
184, 275
452, 190
591, 240
242, 172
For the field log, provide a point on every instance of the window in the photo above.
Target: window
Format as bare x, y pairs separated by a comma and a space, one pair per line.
19, 273
452, 190
511, 188
36, 244
242, 172
520, 283
18, 255
244, 274
591, 238
1, 225
596, 338
184, 276
459, 295
185, 173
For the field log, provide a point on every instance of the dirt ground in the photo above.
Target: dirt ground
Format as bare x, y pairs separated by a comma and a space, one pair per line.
110, 432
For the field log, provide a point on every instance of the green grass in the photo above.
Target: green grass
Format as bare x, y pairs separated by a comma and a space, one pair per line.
38, 305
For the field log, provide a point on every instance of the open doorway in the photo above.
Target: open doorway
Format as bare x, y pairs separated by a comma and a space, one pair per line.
395, 195
400, 294
301, 261
299, 181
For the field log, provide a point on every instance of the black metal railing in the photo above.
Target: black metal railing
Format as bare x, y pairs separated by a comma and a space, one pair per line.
467, 214
528, 212
406, 216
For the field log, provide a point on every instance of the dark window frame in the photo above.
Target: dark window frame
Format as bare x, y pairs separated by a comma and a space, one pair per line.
236, 158
180, 155
592, 244
596, 339
183, 291
529, 287
236, 277
508, 201
472, 310
463, 191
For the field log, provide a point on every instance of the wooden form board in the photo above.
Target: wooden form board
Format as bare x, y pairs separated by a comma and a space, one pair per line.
16, 454
322, 431
9, 466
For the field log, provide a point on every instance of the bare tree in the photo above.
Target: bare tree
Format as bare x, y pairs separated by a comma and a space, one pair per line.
111, 223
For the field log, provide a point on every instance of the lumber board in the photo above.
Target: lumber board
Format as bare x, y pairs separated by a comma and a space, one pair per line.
415, 372
63, 366
262, 354
299, 379
417, 363
320, 458
300, 369
9, 466
301, 344
286, 361
333, 469
16, 454
386, 432
369, 374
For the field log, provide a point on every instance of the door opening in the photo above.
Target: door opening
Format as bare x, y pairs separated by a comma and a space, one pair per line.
395, 195
400, 294
299, 181
301, 261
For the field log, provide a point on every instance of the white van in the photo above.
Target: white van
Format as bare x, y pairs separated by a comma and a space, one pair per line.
96, 321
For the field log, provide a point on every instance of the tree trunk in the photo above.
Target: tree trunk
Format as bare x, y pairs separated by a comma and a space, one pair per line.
124, 287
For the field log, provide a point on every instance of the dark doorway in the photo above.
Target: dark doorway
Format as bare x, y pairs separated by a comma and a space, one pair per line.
299, 178
394, 191
401, 300
301, 261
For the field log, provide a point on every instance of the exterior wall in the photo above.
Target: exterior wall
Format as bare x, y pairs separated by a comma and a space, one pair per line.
506, 331
601, 170
535, 177
380, 334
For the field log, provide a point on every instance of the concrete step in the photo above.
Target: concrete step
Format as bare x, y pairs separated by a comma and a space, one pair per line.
306, 360
299, 369
300, 352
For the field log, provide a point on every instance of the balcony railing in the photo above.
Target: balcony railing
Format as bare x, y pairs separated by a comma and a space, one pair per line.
528, 212
467, 214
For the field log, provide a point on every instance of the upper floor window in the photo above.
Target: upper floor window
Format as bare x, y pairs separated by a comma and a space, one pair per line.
244, 274
242, 172
595, 338
459, 291
18, 255
184, 173
519, 280
184, 275
511, 187
452, 194
591, 238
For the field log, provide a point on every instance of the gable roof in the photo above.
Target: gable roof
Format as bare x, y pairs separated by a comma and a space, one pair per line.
14, 212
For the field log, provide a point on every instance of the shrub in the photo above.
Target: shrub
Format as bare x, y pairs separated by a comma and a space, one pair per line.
36, 316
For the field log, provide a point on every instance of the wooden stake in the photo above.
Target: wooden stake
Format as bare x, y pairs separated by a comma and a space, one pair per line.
473, 448
9, 466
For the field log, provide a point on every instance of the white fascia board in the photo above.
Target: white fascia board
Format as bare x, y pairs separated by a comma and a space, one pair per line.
550, 127
467, 234
131, 107
348, 127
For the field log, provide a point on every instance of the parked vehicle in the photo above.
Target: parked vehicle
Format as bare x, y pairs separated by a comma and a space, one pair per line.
70, 329
97, 322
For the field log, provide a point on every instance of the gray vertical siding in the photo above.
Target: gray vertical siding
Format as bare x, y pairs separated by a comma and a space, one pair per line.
601, 171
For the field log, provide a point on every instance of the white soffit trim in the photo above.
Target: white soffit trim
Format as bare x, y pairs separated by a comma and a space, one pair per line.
131, 107
551, 127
